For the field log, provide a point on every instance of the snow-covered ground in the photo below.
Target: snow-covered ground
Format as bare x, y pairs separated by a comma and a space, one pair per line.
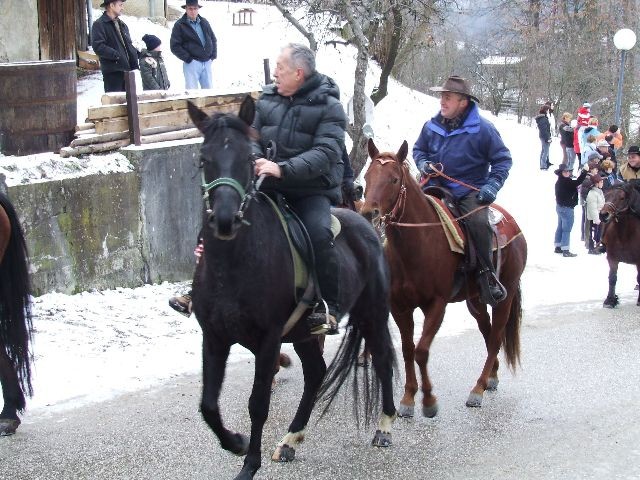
94, 345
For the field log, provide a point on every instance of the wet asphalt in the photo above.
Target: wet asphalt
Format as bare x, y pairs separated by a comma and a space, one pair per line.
572, 411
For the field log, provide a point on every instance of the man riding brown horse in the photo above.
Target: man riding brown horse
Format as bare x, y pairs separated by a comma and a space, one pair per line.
469, 150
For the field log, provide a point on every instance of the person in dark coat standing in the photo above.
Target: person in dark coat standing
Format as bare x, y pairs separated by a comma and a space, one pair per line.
566, 201
469, 149
152, 69
301, 124
544, 132
193, 42
111, 41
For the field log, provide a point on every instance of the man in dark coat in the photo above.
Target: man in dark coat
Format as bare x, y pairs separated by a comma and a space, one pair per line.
301, 118
111, 41
469, 149
544, 132
193, 42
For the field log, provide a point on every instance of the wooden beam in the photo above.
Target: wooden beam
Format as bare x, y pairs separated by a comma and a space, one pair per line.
176, 119
99, 147
133, 122
166, 105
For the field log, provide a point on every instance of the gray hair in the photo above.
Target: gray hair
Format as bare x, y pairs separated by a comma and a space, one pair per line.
302, 57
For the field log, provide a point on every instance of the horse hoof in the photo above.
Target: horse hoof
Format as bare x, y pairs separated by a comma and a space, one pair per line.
431, 411
381, 439
474, 400
285, 360
492, 384
8, 426
284, 453
608, 305
240, 445
405, 411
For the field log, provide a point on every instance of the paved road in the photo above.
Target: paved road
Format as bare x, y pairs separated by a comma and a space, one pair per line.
571, 412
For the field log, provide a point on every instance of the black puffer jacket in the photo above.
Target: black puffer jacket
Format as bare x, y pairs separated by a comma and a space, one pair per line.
185, 43
107, 45
308, 131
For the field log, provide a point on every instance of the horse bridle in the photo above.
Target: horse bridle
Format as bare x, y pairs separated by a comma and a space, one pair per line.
246, 192
397, 211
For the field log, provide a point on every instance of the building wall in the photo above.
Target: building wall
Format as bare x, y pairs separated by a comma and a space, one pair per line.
19, 31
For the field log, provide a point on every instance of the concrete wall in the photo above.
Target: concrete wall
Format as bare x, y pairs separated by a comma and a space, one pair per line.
19, 35
115, 230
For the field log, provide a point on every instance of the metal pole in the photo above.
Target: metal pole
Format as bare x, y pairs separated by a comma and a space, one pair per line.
620, 83
267, 71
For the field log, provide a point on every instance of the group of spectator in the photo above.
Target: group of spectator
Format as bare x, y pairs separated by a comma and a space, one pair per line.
192, 41
597, 153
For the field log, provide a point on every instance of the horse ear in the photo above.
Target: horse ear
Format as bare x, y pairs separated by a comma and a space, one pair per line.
247, 110
373, 150
198, 117
402, 153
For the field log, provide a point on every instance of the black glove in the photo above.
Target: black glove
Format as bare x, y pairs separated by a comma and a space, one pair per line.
488, 193
428, 168
351, 192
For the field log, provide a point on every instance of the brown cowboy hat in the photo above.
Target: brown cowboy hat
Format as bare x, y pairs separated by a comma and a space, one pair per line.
107, 2
456, 84
191, 3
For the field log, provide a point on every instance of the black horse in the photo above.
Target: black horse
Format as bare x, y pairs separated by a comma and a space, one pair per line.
15, 319
621, 236
243, 292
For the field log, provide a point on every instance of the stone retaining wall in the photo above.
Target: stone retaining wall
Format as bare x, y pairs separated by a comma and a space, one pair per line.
118, 229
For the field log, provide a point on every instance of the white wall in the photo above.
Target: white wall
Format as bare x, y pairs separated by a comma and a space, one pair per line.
19, 31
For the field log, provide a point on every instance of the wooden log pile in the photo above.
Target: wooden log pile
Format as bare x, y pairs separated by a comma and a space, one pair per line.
162, 116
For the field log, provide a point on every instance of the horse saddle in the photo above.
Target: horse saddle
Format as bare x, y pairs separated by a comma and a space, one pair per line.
299, 243
504, 226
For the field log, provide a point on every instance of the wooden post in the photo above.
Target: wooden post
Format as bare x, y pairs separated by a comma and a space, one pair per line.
267, 72
132, 107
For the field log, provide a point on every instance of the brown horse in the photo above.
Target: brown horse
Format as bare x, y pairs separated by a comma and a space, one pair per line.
621, 216
15, 319
423, 275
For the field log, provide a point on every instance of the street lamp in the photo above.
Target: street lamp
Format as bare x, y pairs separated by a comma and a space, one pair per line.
624, 40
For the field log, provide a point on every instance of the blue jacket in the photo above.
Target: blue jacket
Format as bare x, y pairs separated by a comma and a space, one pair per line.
473, 153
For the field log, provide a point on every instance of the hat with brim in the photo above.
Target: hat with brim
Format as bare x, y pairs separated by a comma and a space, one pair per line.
458, 85
562, 168
191, 3
633, 149
107, 2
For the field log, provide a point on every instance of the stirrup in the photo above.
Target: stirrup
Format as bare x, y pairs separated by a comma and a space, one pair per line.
181, 304
490, 294
322, 322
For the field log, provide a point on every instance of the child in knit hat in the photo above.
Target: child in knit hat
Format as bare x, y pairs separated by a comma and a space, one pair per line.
152, 69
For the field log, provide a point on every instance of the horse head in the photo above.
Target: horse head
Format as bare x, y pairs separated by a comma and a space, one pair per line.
620, 199
226, 165
385, 179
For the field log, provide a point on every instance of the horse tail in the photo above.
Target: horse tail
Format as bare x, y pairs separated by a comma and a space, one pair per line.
366, 385
15, 303
511, 339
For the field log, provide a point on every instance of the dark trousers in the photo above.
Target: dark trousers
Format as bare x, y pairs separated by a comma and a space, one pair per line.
315, 213
593, 232
479, 229
113, 82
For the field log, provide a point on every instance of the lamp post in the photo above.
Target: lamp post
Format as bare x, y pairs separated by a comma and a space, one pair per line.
624, 40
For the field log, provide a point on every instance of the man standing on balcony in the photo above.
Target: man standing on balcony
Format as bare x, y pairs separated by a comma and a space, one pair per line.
193, 42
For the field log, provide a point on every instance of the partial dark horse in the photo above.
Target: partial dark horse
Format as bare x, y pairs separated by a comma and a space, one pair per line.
243, 292
15, 319
621, 217
423, 275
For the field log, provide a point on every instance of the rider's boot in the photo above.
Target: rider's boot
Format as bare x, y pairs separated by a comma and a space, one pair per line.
324, 319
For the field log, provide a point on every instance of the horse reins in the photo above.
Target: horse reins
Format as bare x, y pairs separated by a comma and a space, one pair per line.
402, 197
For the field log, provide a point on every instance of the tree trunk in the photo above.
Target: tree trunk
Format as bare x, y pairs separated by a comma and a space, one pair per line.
358, 154
313, 45
390, 61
